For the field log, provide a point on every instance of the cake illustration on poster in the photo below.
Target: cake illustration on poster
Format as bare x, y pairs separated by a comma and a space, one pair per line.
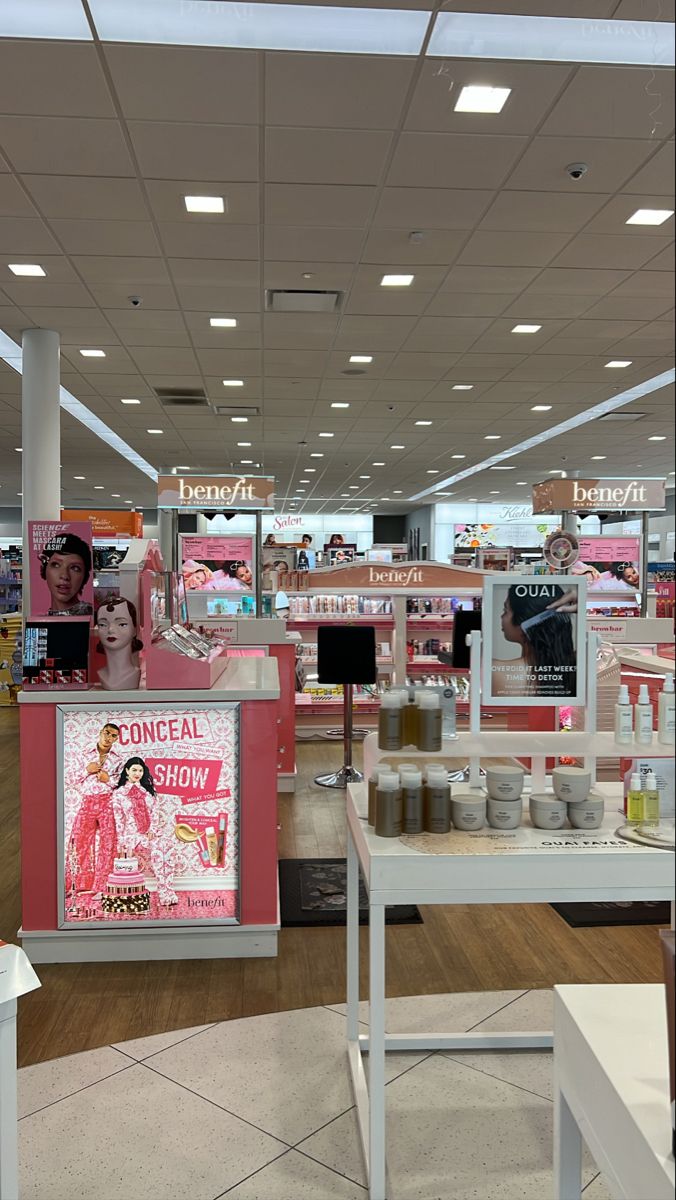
149, 814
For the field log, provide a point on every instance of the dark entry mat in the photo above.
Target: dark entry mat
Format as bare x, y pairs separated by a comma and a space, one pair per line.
637, 912
312, 892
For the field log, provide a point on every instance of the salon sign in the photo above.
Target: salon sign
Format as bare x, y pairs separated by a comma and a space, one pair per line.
196, 492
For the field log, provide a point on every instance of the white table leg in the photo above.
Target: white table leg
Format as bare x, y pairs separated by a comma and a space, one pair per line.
9, 1167
377, 1052
567, 1150
352, 941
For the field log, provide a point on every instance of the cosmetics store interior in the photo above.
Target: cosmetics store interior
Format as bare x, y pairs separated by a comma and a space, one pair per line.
349, 715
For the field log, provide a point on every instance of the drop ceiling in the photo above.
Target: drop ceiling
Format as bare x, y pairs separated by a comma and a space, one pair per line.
337, 169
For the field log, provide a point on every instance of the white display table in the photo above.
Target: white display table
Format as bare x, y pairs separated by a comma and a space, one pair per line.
611, 1070
488, 867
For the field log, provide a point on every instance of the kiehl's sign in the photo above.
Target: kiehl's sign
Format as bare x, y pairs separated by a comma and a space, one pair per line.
594, 495
216, 491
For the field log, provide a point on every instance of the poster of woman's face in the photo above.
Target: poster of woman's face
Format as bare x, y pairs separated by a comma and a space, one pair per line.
534, 640
610, 564
61, 577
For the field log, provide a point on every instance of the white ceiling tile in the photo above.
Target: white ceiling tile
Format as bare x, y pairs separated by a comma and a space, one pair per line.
326, 276
65, 145
134, 272
240, 200
331, 90
117, 360
13, 200
325, 155
627, 102
116, 295
230, 364
421, 366
651, 284
555, 212
578, 282
638, 10
229, 272
61, 318
144, 318
286, 244
613, 217
488, 248
216, 299
317, 204
446, 333
467, 304
426, 278
185, 83
154, 337
295, 362
534, 86
397, 301
430, 208
441, 159
529, 306
657, 176
470, 367
52, 78
639, 308
167, 359
106, 237
395, 245
25, 236
166, 150
367, 334
610, 161
663, 261
502, 280
73, 196
200, 240
24, 292
598, 250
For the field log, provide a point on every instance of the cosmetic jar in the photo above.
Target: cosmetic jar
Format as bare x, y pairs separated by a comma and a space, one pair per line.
547, 812
504, 814
505, 782
468, 811
571, 783
588, 814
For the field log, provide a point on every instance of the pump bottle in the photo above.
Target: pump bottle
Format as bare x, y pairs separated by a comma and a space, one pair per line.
666, 718
651, 801
635, 801
624, 718
643, 717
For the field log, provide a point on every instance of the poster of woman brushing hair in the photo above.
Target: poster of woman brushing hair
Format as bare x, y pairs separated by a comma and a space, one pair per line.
534, 640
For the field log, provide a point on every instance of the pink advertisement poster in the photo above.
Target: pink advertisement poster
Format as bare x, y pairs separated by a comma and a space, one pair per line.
150, 814
60, 571
610, 564
217, 564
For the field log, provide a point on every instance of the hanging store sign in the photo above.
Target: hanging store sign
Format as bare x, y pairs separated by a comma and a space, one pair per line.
107, 522
395, 577
594, 495
197, 492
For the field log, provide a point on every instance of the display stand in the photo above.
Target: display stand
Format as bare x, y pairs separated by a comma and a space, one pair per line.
16, 978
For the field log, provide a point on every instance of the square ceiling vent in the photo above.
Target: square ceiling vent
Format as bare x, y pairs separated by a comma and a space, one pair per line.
623, 416
301, 300
180, 397
237, 410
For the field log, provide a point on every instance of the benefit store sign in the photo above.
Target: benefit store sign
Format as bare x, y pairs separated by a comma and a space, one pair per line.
194, 493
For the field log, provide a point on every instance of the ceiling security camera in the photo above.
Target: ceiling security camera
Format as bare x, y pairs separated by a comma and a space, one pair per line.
576, 170
135, 301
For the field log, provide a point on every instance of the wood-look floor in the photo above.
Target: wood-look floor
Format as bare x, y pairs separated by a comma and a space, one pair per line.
462, 948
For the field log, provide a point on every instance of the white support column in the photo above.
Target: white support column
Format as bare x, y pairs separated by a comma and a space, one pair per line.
167, 521
40, 434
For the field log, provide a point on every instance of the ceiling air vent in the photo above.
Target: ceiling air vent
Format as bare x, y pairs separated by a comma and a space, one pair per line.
237, 410
300, 300
181, 397
623, 416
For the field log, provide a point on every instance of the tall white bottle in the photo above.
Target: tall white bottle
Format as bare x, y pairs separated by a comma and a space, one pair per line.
666, 719
624, 718
643, 718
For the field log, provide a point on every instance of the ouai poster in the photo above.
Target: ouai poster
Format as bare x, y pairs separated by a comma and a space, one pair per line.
149, 814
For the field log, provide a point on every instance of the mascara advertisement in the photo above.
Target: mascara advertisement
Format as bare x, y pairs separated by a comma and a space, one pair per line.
534, 639
149, 802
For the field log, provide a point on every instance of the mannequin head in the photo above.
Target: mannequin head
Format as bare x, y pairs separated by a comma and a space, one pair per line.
117, 626
65, 565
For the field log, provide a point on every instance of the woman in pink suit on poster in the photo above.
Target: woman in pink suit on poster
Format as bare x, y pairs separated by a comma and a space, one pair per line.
92, 843
141, 828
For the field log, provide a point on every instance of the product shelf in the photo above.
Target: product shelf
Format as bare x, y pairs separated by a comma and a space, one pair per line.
529, 743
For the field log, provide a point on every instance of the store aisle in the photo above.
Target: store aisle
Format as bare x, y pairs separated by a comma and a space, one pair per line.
261, 1109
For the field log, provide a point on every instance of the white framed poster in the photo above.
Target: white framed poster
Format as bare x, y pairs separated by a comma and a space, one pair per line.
534, 640
148, 814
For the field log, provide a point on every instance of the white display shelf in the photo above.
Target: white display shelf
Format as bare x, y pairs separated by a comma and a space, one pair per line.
525, 744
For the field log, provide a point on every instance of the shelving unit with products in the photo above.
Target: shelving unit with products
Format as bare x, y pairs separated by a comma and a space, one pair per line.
11, 576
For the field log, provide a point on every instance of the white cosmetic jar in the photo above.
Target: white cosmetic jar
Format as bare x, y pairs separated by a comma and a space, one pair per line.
547, 812
588, 814
468, 811
504, 814
571, 783
504, 782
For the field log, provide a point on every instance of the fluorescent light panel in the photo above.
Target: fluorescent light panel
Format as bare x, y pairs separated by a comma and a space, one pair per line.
551, 39
204, 204
396, 280
526, 328
478, 99
49, 19
650, 216
591, 414
261, 26
223, 322
30, 270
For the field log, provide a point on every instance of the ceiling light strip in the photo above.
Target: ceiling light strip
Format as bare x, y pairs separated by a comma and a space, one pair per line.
57, 19
262, 26
552, 39
590, 414
10, 352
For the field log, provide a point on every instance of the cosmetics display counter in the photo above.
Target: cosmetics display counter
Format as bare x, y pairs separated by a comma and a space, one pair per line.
194, 874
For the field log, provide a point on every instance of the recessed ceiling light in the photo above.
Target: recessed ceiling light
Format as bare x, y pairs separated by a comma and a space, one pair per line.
522, 483
305, 481
432, 471
618, 363
541, 408
19, 449
129, 501
79, 476
98, 487
361, 358
310, 470
650, 216
503, 468
397, 447
233, 383
423, 422
398, 492
223, 322
115, 495
33, 269
180, 468
154, 431
316, 454
494, 493
240, 420
327, 435
204, 204
340, 404
378, 464
526, 328
354, 487
397, 280
129, 400
462, 387
474, 99
657, 437
345, 495
19, 493
244, 443
300, 491
599, 457
445, 493
364, 476
246, 462
473, 500
93, 353
458, 456
493, 437
556, 472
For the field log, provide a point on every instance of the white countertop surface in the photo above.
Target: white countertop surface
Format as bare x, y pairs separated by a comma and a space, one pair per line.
243, 679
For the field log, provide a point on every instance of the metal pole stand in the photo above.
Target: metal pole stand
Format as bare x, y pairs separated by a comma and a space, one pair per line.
347, 773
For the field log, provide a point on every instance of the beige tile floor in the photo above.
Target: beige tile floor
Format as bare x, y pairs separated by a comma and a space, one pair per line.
261, 1109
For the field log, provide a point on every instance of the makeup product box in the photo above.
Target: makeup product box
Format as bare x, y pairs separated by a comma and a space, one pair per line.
665, 774
56, 654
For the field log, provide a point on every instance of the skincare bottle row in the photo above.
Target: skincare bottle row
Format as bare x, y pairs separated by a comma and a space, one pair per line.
643, 801
637, 724
410, 719
402, 802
